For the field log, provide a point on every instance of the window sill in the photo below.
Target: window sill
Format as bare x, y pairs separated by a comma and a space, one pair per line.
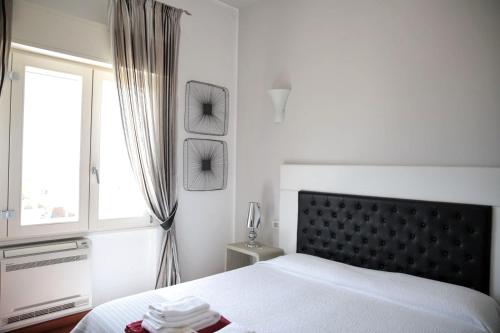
62, 236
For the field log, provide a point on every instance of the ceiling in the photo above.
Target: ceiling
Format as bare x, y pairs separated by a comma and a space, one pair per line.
96, 10
239, 3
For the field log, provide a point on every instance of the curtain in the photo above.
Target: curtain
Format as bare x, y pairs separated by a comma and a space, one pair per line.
5, 35
145, 37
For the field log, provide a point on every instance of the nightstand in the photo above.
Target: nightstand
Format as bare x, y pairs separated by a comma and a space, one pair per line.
239, 255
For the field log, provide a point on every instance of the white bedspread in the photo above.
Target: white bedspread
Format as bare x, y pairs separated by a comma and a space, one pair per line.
301, 293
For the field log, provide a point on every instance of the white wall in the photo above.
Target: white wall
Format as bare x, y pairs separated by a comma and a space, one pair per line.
208, 53
124, 262
56, 30
373, 82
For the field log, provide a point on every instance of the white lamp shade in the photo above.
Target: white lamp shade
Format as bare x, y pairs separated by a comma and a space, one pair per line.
279, 98
254, 215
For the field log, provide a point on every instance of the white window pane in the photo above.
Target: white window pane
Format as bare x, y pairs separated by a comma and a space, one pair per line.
119, 195
51, 147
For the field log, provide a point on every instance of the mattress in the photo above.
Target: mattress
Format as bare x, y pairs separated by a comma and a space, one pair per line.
303, 293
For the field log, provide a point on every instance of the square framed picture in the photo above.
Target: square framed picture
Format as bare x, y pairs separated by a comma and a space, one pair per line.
205, 165
207, 109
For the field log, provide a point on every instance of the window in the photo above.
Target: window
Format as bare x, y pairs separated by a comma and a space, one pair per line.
115, 193
50, 187
68, 164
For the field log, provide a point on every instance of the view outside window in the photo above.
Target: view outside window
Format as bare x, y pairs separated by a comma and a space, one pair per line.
51, 147
119, 194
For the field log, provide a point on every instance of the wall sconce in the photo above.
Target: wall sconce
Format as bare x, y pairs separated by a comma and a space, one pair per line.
279, 98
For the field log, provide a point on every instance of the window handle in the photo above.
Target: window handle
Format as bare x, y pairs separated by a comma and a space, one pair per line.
95, 172
7, 214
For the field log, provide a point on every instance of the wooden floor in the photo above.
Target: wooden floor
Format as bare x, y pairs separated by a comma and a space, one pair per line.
60, 325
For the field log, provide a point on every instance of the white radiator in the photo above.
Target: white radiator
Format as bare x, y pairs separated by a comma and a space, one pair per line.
43, 281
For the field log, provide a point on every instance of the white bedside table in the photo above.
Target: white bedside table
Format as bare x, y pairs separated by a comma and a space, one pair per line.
239, 255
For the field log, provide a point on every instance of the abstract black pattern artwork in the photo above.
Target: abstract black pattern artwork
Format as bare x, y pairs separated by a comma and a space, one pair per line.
205, 165
206, 108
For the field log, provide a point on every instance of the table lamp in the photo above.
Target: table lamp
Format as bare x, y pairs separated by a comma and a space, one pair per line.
253, 223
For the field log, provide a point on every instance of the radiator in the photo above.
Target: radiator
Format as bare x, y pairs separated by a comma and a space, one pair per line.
44, 281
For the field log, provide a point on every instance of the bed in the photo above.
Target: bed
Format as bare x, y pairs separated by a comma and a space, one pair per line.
303, 293
359, 264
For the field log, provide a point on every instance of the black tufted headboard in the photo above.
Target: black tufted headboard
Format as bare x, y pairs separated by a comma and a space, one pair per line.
442, 241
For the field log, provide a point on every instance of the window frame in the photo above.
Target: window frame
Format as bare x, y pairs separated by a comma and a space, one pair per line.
101, 75
4, 147
20, 61
11, 126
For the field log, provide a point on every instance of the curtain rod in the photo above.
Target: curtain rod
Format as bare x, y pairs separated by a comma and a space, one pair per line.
183, 10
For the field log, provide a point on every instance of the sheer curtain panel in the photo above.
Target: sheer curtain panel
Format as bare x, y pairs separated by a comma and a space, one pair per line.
5, 35
145, 37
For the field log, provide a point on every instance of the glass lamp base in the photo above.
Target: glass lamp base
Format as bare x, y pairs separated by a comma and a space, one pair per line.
252, 235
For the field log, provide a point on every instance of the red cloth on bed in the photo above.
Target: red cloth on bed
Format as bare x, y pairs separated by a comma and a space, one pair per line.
223, 322
136, 327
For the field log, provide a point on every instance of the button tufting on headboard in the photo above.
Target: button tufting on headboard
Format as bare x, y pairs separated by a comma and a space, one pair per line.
442, 241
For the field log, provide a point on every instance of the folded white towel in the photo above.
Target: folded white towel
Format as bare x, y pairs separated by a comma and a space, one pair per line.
179, 308
162, 317
235, 328
200, 321
161, 322
209, 321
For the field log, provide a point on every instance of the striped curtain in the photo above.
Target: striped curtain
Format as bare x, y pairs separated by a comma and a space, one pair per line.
145, 37
5, 36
